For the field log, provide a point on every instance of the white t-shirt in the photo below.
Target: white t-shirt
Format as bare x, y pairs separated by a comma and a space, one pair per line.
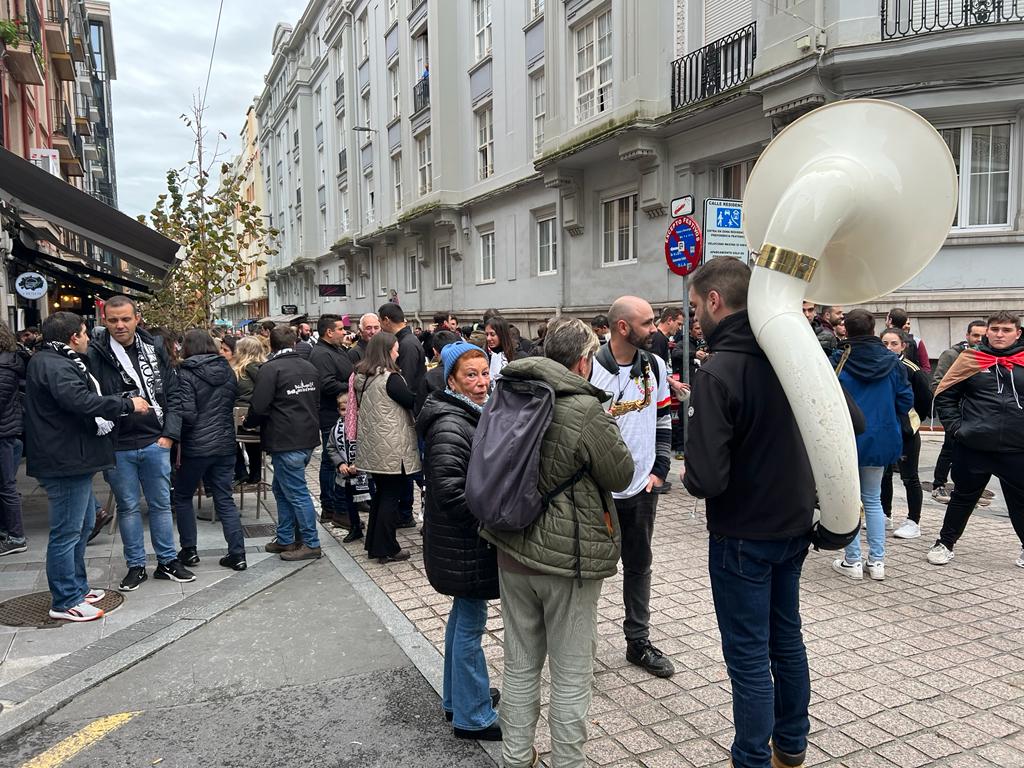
496, 363
634, 405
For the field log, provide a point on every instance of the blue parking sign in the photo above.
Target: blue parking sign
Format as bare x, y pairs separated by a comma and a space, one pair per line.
729, 218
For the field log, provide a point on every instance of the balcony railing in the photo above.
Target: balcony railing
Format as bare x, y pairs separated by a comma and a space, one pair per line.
421, 95
906, 18
61, 124
55, 12
715, 68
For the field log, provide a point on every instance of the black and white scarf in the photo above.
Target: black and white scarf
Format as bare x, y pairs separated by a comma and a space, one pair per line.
150, 385
103, 426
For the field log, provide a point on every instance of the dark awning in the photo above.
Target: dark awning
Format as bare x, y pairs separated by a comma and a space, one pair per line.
34, 192
31, 259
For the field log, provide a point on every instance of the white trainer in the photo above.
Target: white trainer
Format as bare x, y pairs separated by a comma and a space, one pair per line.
80, 612
909, 530
889, 523
876, 570
849, 570
1020, 560
94, 596
939, 555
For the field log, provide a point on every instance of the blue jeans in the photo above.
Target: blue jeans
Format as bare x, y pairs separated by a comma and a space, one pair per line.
466, 692
216, 473
72, 516
874, 517
150, 470
329, 502
756, 589
294, 504
10, 499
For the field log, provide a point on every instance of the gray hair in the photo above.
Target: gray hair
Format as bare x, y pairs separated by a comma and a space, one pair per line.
569, 341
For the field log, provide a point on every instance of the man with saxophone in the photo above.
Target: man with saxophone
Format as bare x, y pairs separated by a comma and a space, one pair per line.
759, 516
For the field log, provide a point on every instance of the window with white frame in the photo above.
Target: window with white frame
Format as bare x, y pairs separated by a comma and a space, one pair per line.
982, 157
361, 281
343, 200
734, 179
536, 8
371, 215
394, 89
425, 175
593, 67
381, 268
444, 267
619, 226
364, 116
485, 143
482, 27
538, 104
547, 246
396, 177
392, 12
363, 33
412, 272
421, 48
487, 257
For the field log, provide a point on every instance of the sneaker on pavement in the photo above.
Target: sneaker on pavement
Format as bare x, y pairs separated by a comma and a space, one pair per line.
665, 487
643, 654
849, 570
876, 570
132, 581
10, 546
303, 553
189, 556
987, 494
94, 596
353, 535
939, 555
909, 530
1020, 560
941, 493
275, 548
174, 571
983, 502
889, 523
234, 562
80, 612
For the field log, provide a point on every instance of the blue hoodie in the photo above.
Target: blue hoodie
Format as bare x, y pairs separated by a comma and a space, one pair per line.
878, 383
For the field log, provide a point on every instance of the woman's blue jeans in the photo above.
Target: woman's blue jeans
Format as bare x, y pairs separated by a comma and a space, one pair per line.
874, 517
467, 687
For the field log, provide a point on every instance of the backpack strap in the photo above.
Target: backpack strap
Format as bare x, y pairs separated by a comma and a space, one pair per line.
565, 485
648, 358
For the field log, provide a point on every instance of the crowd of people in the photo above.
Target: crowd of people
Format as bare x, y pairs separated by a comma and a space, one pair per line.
394, 408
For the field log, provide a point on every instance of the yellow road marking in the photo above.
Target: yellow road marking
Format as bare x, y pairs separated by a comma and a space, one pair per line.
63, 751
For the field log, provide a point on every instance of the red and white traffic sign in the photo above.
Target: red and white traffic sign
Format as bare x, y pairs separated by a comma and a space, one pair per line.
683, 245
682, 206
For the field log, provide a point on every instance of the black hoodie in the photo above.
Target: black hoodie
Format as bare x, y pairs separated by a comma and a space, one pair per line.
286, 402
12, 372
744, 453
205, 397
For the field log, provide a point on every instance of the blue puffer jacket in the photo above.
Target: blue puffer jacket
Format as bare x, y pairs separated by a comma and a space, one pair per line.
878, 384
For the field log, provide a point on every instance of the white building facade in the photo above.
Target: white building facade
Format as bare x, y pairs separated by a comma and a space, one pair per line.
465, 154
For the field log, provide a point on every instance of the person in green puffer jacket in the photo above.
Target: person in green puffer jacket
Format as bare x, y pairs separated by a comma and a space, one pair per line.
550, 574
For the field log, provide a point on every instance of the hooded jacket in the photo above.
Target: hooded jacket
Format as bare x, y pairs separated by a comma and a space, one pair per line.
285, 403
986, 411
205, 397
744, 452
458, 562
578, 535
878, 383
12, 371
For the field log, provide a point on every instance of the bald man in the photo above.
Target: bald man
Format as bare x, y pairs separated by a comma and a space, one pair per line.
637, 381
369, 326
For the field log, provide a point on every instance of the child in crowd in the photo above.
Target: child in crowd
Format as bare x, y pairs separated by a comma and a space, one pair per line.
356, 484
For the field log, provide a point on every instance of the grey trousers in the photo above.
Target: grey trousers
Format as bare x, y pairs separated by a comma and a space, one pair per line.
556, 618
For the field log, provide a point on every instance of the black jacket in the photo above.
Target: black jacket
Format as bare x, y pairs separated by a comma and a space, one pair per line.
411, 360
432, 382
333, 366
458, 562
986, 411
60, 425
304, 349
103, 366
922, 389
285, 403
12, 371
356, 352
744, 453
205, 398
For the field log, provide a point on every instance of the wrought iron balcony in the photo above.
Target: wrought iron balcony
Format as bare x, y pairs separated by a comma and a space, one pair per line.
421, 95
906, 18
24, 57
715, 68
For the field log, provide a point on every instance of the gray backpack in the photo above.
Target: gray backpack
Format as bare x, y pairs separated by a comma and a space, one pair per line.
504, 468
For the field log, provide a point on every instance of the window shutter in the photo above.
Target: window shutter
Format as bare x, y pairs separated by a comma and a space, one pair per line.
724, 16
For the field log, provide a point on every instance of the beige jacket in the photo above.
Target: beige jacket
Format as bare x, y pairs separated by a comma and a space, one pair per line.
385, 432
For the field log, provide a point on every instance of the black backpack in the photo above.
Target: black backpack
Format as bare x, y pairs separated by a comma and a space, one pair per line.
504, 467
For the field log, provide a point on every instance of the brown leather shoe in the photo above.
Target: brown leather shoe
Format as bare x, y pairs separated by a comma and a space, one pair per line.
399, 556
102, 518
782, 760
275, 549
302, 552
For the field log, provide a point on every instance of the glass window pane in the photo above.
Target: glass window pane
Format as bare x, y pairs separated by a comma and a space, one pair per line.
981, 149
979, 199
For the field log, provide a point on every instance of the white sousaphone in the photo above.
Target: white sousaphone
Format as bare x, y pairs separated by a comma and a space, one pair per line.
845, 205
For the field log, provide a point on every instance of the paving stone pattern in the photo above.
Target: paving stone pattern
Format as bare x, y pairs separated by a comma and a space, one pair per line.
923, 669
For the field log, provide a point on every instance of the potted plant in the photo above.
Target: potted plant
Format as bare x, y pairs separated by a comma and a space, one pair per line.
9, 33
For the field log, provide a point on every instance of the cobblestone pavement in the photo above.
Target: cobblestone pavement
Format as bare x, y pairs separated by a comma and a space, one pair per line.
925, 668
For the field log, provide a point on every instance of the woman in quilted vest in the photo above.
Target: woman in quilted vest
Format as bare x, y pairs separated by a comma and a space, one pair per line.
387, 441
458, 562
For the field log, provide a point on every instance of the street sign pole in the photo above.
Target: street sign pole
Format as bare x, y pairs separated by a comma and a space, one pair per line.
685, 415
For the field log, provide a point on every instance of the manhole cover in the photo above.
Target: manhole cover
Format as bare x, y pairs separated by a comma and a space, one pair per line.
259, 530
33, 610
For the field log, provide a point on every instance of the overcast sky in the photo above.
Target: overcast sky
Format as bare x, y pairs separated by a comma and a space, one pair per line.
162, 51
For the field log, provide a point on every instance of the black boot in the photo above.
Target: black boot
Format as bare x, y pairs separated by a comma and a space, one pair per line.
189, 556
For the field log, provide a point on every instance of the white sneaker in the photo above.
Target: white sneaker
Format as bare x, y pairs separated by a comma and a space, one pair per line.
889, 523
850, 570
94, 596
909, 530
1020, 560
81, 612
876, 570
939, 555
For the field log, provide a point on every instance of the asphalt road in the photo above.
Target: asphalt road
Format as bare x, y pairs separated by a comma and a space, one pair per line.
303, 674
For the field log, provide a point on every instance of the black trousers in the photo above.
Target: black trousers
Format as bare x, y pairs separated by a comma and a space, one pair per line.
381, 540
944, 461
636, 519
971, 472
907, 466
